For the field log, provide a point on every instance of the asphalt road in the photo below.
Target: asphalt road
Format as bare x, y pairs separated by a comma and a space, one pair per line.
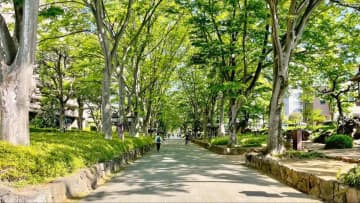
180, 173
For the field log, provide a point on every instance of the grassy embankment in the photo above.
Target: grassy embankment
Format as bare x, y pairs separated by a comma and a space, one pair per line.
53, 154
245, 140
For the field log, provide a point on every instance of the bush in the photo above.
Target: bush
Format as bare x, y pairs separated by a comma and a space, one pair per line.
34, 130
295, 117
351, 178
56, 154
338, 142
245, 140
220, 140
93, 128
251, 140
302, 155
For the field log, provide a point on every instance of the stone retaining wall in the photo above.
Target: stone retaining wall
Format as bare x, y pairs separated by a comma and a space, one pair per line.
344, 159
224, 150
71, 187
327, 190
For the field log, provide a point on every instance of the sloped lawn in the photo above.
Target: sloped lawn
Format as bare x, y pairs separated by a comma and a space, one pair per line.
54, 154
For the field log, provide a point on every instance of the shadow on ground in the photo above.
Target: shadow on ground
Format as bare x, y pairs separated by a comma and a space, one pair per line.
168, 172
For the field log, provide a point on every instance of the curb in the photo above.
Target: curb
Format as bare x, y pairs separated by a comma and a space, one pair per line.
327, 190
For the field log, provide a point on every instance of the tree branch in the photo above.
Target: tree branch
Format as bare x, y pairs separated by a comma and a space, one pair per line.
275, 27
62, 2
305, 17
65, 35
122, 29
7, 41
260, 63
348, 5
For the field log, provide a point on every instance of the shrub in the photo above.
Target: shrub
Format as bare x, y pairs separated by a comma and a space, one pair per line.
245, 140
338, 142
303, 155
34, 130
320, 137
351, 178
56, 154
93, 128
251, 140
295, 117
220, 140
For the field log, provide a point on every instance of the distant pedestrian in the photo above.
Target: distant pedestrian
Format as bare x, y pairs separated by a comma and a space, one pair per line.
187, 138
158, 141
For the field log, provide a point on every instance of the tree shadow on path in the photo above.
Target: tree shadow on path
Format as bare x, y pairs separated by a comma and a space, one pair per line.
176, 169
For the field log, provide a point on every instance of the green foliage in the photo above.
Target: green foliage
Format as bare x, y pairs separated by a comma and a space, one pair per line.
251, 140
52, 11
351, 178
302, 155
339, 142
34, 130
245, 140
220, 140
295, 118
46, 118
321, 132
54, 154
317, 117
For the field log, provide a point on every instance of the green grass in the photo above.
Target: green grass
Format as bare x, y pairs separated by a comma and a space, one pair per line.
54, 154
251, 140
220, 140
245, 140
351, 178
292, 154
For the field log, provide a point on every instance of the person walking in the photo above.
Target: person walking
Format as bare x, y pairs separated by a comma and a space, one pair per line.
187, 138
158, 141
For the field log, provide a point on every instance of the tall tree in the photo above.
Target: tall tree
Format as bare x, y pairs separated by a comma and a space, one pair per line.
56, 79
298, 14
131, 56
110, 30
16, 68
228, 39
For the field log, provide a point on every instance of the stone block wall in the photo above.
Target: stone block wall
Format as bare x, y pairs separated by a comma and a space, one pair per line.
71, 187
327, 190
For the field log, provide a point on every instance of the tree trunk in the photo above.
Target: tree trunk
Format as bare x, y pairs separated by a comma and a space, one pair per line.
234, 108
340, 109
121, 113
105, 102
94, 116
221, 120
298, 16
148, 115
205, 121
14, 110
275, 143
16, 81
80, 114
62, 117
275, 139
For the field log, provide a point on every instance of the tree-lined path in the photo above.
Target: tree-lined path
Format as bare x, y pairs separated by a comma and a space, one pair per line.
180, 173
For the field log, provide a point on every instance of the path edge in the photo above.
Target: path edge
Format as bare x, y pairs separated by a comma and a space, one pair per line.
327, 190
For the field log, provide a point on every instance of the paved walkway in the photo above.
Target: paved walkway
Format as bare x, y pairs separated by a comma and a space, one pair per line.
181, 173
